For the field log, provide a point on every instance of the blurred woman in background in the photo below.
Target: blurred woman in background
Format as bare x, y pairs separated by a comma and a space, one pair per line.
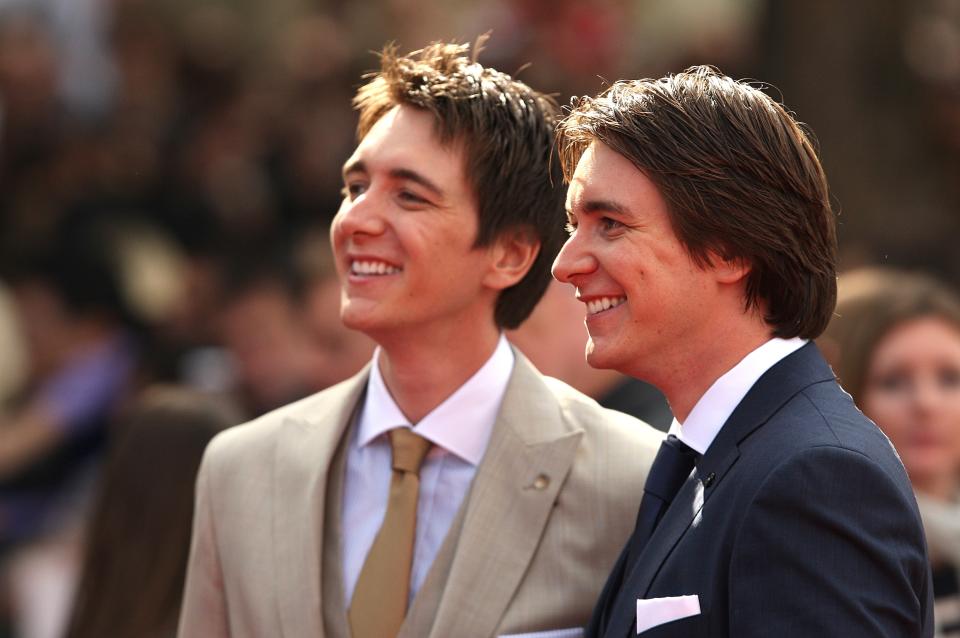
139, 537
895, 345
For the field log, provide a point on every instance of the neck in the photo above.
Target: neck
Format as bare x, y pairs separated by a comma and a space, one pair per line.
422, 373
688, 376
595, 382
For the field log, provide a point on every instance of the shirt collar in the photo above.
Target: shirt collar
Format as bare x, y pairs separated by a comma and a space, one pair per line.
461, 424
721, 399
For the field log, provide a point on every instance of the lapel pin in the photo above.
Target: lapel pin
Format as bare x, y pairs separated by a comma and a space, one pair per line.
541, 482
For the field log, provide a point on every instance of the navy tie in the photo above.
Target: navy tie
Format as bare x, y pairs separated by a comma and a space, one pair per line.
669, 471
667, 475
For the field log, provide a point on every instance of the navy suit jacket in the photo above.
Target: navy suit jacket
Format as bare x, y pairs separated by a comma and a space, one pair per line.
799, 521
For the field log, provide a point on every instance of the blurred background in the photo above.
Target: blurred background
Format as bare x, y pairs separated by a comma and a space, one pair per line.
169, 168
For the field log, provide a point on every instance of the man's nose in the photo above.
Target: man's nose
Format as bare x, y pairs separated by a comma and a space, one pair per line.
574, 259
360, 216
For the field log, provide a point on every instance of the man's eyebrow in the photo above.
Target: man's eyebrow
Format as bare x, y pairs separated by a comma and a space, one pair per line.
602, 206
354, 166
413, 176
357, 166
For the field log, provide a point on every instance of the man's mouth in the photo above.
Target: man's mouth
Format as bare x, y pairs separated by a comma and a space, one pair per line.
603, 303
371, 267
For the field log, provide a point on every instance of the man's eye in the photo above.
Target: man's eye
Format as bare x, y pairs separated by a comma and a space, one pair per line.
411, 198
609, 224
353, 190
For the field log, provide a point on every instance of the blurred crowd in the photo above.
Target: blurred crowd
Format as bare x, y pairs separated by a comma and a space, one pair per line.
168, 172
163, 212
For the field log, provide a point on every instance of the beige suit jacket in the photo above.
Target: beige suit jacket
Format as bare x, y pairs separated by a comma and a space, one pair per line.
552, 503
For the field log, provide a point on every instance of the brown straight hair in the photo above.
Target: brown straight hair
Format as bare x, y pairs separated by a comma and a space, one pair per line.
506, 130
741, 179
135, 559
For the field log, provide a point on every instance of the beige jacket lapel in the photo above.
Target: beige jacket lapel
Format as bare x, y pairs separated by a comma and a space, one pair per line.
529, 455
336, 624
303, 457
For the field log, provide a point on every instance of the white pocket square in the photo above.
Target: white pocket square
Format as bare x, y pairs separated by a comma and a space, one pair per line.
574, 632
657, 611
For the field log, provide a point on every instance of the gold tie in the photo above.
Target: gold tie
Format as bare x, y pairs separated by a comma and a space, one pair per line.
380, 597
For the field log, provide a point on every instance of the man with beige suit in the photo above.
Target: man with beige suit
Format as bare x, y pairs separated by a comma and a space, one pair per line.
447, 490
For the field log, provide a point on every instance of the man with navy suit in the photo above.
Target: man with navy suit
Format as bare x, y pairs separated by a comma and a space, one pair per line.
703, 244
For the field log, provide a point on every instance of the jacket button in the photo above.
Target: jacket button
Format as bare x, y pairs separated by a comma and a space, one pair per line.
711, 477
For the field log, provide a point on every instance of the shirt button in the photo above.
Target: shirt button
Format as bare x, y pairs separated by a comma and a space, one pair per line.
541, 482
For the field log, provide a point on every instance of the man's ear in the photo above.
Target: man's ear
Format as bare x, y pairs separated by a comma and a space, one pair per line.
729, 270
511, 256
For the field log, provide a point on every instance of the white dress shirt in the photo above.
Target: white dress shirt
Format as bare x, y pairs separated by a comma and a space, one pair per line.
459, 428
721, 399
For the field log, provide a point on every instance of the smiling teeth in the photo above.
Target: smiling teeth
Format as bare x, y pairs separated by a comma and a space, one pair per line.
603, 303
372, 268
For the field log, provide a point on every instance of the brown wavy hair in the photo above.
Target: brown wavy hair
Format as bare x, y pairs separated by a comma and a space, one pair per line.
741, 179
506, 130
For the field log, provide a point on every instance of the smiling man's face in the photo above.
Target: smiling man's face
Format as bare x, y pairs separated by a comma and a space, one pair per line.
645, 297
404, 235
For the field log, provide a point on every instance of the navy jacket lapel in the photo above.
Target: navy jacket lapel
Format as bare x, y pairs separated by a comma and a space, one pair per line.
781, 382
777, 386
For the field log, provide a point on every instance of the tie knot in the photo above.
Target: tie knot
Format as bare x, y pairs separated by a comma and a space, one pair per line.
409, 450
670, 468
674, 442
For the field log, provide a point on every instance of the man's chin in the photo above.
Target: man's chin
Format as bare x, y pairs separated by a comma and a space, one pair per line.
600, 357
356, 319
